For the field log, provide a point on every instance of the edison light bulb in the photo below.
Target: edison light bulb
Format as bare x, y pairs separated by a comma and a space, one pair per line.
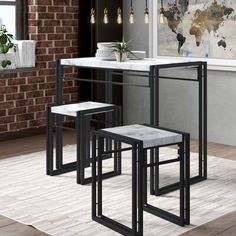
162, 17
119, 17
105, 18
146, 16
131, 16
92, 18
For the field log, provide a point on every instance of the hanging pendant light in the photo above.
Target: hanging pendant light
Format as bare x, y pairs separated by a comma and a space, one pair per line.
146, 13
162, 12
105, 12
119, 16
131, 13
92, 16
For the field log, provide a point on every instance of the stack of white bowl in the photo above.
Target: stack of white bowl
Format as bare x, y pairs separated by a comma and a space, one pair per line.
105, 51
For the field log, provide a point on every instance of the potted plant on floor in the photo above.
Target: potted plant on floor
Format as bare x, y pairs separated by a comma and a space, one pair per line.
5, 46
121, 50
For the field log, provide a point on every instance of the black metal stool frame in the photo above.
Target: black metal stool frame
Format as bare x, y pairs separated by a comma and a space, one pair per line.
82, 129
139, 183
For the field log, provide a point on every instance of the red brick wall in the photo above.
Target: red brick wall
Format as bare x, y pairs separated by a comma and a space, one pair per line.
24, 96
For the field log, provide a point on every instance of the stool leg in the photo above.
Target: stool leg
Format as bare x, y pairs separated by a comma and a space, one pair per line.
59, 141
157, 171
182, 183
100, 152
152, 186
134, 189
145, 178
141, 168
187, 178
94, 174
49, 154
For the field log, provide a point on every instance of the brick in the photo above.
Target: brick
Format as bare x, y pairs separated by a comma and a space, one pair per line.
43, 2
41, 65
70, 90
37, 9
16, 81
46, 29
72, 50
34, 94
45, 57
40, 51
47, 72
22, 117
6, 119
64, 16
34, 80
2, 82
24, 102
62, 43
31, 16
44, 44
72, 9
51, 64
32, 29
44, 100
67, 30
55, 37
61, 56
71, 36
56, 8
18, 126
40, 115
9, 89
55, 50
61, 2
27, 74
28, 87
38, 37
6, 105
47, 16
15, 96
3, 127
1, 97
69, 23
37, 123
36, 108
75, 2
17, 110
52, 23
47, 86
3, 112
50, 92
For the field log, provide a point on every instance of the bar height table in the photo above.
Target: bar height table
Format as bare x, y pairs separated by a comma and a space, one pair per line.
149, 68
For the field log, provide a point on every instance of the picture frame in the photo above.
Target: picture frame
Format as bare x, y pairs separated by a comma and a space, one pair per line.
213, 63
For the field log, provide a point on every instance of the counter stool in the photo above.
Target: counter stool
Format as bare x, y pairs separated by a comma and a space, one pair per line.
140, 138
82, 113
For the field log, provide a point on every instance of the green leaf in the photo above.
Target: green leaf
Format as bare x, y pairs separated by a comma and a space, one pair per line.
4, 63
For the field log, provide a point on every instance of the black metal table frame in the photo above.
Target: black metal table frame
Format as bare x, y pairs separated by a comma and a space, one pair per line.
154, 77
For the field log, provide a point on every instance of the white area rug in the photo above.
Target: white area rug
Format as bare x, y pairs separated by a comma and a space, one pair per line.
60, 207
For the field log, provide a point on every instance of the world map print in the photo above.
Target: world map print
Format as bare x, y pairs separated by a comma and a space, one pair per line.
198, 28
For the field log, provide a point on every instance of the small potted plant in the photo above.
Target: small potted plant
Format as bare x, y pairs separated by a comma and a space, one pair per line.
5, 46
121, 50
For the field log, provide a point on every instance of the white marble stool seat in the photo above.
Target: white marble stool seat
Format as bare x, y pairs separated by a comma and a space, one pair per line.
150, 136
72, 109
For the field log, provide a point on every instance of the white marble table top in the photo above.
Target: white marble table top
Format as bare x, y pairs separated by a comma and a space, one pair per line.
151, 137
72, 109
135, 65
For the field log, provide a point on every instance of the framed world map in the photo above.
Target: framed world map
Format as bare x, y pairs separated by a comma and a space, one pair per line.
194, 28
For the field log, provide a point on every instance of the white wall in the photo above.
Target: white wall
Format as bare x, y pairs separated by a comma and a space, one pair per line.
178, 100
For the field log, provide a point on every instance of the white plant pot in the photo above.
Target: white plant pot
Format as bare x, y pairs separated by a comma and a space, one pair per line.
121, 57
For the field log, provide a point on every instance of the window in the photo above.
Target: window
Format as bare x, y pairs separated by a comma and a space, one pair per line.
12, 15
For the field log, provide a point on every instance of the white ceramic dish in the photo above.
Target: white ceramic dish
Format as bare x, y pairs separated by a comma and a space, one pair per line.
138, 55
104, 45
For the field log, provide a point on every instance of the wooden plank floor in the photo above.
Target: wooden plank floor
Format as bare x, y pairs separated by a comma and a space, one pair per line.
10, 227
223, 226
